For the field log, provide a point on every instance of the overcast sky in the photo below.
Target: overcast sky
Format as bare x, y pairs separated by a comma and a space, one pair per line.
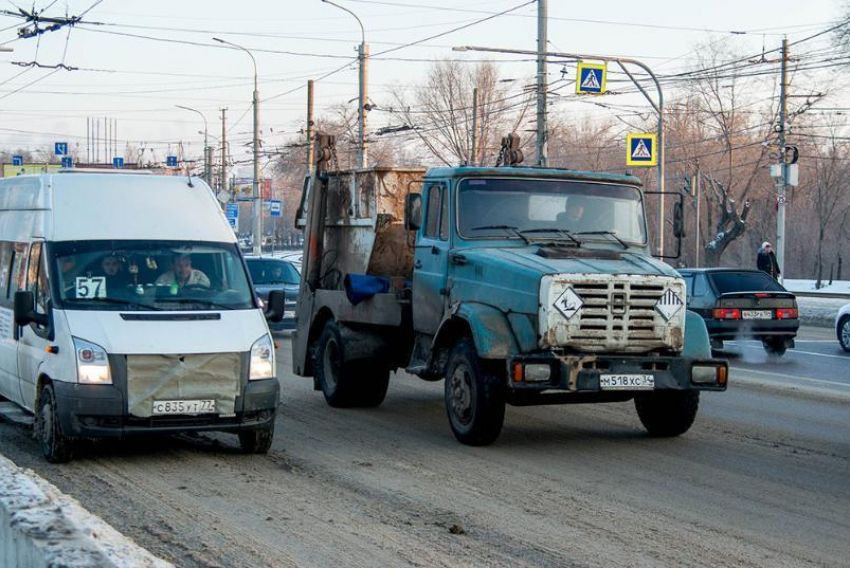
125, 74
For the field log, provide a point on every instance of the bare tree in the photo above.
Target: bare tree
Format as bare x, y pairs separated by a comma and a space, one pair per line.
440, 111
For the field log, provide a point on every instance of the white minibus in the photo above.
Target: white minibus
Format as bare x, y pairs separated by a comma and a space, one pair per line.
126, 308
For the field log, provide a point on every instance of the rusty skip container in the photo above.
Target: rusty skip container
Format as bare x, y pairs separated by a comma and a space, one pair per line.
364, 223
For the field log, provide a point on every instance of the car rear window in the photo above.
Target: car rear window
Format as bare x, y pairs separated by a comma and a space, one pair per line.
744, 282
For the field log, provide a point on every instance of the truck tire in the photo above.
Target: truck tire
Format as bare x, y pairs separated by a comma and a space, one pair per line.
55, 445
347, 384
257, 441
475, 396
665, 414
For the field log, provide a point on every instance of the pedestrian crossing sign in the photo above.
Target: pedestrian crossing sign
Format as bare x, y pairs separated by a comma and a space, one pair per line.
591, 78
642, 150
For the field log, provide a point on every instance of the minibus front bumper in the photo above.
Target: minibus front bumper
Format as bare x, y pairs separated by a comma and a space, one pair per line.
100, 411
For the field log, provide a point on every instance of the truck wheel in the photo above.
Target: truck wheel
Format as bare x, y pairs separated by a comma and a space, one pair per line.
475, 396
372, 381
844, 333
667, 413
55, 446
347, 384
257, 441
774, 347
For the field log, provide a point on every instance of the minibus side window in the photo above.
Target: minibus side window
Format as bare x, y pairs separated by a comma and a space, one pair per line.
19, 265
6, 257
37, 279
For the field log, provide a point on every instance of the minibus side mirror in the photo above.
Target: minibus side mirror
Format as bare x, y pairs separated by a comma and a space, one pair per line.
276, 306
413, 211
24, 308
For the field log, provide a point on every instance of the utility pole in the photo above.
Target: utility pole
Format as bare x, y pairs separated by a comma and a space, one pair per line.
782, 181
363, 97
542, 44
696, 184
474, 149
310, 127
223, 171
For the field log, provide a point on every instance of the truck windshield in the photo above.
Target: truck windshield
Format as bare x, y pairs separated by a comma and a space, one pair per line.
149, 275
591, 210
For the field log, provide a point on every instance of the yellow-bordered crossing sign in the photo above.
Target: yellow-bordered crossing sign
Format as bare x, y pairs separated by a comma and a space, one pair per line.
591, 78
642, 150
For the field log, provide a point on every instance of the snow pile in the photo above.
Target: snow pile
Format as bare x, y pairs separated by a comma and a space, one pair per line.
40, 526
837, 287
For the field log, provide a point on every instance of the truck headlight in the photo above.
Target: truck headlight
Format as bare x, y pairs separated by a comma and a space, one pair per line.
92, 363
709, 373
262, 359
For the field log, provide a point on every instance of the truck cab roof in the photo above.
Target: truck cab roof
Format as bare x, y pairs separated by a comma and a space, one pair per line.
532, 173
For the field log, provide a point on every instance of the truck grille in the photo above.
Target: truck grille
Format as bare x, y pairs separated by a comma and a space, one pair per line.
617, 314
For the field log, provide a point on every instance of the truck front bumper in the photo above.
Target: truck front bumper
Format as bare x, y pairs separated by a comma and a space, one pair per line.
587, 377
100, 411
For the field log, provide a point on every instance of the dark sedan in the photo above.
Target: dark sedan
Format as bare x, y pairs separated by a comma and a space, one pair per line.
269, 273
743, 304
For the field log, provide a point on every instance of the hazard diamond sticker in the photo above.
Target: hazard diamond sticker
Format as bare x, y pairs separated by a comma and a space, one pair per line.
669, 304
568, 303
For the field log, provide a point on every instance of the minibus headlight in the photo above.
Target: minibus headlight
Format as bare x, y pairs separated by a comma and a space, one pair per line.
262, 359
92, 363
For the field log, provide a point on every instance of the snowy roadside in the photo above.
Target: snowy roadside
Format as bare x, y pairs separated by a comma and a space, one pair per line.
820, 312
40, 526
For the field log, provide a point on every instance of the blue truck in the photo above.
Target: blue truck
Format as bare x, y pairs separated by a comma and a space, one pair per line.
514, 285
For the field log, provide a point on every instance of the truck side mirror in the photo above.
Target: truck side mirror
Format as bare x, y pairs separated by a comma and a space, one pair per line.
276, 306
24, 309
413, 211
678, 221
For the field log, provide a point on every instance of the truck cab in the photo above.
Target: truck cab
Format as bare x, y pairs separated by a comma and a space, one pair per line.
526, 286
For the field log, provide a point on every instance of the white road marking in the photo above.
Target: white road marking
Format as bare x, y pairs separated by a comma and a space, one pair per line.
798, 351
793, 377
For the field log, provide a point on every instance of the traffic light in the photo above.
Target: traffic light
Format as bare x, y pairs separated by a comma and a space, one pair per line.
324, 150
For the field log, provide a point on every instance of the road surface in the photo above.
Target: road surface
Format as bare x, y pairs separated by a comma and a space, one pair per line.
762, 479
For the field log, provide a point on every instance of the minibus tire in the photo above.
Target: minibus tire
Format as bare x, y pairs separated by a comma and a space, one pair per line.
55, 446
667, 413
257, 441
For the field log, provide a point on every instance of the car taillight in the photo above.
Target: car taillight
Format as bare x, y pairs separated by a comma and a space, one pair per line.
787, 313
727, 313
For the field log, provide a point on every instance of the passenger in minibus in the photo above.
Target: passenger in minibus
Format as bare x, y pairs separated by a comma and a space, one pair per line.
183, 274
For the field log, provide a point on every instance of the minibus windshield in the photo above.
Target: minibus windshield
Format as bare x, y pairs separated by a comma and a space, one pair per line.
149, 275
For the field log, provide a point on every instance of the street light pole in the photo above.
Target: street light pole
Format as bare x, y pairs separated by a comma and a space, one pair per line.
258, 196
658, 106
207, 164
363, 97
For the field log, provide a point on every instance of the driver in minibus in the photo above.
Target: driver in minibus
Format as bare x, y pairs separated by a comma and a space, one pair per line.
183, 274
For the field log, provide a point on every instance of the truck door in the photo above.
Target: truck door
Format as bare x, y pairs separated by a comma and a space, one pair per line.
431, 261
32, 338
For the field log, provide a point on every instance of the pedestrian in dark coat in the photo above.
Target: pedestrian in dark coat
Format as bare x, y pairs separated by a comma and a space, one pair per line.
767, 260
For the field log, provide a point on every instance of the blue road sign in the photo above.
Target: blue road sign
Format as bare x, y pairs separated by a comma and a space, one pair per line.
17, 160
67, 162
591, 78
171, 161
231, 211
641, 150
275, 207
117, 162
60, 148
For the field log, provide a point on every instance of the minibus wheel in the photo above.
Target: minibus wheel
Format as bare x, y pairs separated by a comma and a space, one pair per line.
55, 445
257, 441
